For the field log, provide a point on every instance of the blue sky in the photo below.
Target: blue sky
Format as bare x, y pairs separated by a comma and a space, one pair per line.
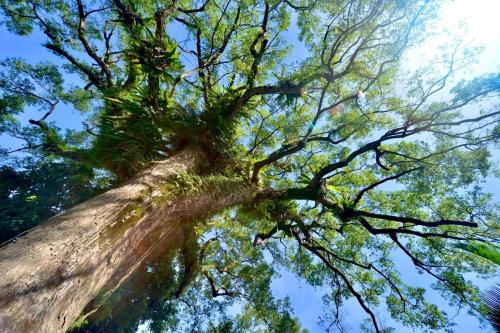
476, 21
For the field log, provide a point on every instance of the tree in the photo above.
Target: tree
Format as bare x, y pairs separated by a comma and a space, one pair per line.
40, 191
328, 164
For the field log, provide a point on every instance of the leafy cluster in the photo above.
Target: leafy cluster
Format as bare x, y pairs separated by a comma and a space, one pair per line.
31, 195
355, 164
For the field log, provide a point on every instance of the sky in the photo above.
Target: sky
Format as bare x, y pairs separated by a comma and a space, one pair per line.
476, 21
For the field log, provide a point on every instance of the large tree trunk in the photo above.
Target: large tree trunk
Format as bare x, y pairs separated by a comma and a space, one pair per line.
53, 271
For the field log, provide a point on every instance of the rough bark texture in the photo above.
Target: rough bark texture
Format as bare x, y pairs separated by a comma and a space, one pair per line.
51, 273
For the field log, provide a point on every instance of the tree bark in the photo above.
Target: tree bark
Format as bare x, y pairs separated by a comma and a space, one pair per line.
52, 272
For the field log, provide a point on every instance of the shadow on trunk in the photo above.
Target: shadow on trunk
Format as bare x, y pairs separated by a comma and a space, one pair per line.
148, 293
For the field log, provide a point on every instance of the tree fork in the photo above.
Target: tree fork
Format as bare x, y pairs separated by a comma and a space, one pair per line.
52, 272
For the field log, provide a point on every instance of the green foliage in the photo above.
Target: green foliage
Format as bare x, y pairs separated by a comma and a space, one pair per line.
487, 251
36, 192
186, 184
20, 84
353, 162
156, 56
129, 140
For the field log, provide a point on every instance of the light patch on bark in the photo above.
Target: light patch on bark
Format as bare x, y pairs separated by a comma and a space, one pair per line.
52, 272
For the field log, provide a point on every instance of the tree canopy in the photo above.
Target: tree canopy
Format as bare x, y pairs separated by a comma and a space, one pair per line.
355, 159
